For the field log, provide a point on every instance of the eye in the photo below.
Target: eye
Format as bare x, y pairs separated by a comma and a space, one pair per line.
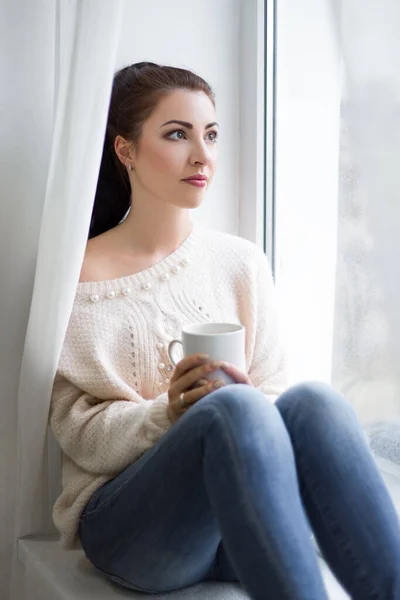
214, 134
176, 132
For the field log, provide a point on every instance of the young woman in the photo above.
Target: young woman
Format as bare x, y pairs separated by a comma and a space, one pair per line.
168, 479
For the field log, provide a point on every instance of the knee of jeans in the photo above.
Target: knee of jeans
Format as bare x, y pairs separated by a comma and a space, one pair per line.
312, 398
236, 402
243, 411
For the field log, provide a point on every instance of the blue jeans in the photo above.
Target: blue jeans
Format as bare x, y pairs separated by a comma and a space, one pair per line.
229, 492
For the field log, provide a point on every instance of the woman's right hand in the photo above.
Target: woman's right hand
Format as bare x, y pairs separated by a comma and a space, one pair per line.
190, 372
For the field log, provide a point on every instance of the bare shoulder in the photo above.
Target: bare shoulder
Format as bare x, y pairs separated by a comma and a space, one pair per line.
105, 258
96, 259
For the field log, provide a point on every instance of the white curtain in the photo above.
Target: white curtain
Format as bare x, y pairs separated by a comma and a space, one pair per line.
87, 37
367, 327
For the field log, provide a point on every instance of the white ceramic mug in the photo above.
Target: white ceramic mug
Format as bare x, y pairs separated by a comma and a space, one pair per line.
221, 341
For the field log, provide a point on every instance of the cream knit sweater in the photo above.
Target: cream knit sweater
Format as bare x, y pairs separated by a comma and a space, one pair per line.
109, 400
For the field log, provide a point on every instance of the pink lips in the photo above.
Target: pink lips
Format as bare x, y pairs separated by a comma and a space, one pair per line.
196, 180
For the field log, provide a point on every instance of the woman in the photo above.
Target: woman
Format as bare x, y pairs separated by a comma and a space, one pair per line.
168, 479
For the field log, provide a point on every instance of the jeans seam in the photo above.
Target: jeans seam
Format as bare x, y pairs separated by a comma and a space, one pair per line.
126, 583
102, 503
325, 511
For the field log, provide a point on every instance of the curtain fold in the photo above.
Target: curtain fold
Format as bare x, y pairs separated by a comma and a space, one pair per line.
89, 33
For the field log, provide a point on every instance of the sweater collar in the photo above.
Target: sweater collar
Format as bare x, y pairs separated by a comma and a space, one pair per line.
168, 268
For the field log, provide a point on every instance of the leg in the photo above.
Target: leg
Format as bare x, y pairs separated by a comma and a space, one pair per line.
225, 470
348, 504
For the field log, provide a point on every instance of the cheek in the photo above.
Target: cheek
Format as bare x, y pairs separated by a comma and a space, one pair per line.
213, 163
162, 158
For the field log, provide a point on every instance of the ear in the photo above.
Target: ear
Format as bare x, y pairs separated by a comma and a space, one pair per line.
123, 149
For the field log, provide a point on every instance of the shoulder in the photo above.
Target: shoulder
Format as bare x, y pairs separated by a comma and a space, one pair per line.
95, 259
233, 250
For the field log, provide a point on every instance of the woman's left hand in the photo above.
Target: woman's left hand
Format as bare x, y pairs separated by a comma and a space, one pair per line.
237, 375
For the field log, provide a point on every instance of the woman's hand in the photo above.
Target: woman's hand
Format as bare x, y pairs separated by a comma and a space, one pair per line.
188, 381
237, 375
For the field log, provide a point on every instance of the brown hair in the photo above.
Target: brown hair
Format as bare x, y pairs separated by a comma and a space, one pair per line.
136, 91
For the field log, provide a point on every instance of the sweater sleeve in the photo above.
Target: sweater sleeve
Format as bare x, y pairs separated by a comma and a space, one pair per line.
268, 368
104, 437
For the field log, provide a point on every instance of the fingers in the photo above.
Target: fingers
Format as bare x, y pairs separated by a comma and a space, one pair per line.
187, 364
201, 372
192, 396
198, 383
189, 381
237, 375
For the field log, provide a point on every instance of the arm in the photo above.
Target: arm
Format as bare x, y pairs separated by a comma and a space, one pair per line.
105, 436
268, 368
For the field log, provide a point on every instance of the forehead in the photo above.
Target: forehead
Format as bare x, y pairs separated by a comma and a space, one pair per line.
194, 107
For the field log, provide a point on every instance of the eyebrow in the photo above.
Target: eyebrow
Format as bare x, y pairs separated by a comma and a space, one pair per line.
188, 125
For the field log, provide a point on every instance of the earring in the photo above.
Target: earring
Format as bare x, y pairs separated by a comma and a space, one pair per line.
130, 167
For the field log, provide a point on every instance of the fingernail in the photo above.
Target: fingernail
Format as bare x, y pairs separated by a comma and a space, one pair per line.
218, 384
203, 356
225, 364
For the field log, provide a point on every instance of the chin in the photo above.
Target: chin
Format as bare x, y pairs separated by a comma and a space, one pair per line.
192, 201
195, 202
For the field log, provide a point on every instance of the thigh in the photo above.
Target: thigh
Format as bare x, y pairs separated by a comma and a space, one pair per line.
152, 527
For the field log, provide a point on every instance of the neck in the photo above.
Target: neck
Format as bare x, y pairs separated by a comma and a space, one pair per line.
156, 233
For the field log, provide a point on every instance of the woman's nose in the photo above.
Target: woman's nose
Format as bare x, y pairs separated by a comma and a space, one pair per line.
201, 154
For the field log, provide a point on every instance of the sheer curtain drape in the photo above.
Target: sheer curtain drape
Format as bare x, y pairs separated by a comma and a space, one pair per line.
367, 320
88, 45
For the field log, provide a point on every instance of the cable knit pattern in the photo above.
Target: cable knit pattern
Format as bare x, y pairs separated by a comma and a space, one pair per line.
110, 394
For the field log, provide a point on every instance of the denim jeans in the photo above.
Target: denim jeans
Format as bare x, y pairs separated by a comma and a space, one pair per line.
229, 494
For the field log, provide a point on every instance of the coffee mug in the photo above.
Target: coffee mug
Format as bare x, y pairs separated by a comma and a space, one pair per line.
221, 341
